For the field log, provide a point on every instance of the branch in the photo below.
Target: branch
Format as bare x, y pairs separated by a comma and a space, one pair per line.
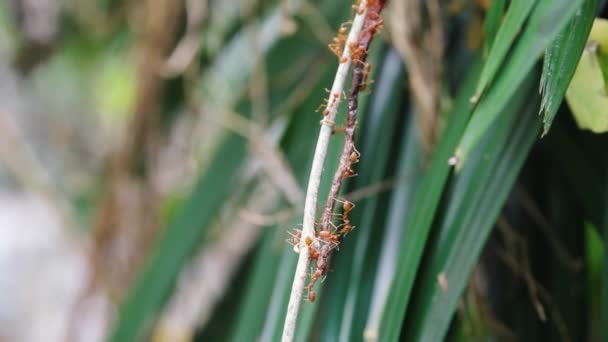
349, 155
308, 237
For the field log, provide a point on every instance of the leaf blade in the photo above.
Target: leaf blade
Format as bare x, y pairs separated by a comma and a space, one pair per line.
425, 204
518, 12
180, 240
480, 191
546, 21
561, 60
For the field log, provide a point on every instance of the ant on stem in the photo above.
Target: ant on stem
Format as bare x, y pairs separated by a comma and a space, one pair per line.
347, 207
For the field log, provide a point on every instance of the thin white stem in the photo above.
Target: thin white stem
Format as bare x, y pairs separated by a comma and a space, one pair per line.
312, 192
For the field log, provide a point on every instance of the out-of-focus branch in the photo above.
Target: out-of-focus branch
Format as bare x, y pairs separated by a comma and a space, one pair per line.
38, 24
17, 154
271, 159
128, 217
128, 214
203, 284
186, 50
422, 50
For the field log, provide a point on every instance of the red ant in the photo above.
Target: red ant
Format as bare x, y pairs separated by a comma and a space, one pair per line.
338, 42
354, 156
332, 239
348, 173
367, 68
353, 159
347, 207
295, 239
357, 51
312, 296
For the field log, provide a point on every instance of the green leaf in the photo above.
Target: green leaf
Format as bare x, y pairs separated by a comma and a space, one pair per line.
478, 195
182, 237
561, 59
258, 291
275, 315
492, 22
516, 16
546, 20
409, 174
587, 94
423, 211
605, 277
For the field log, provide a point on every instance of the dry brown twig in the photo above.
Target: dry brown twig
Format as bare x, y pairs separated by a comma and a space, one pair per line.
353, 51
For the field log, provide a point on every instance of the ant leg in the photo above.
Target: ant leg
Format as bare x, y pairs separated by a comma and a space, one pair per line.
340, 129
336, 228
356, 152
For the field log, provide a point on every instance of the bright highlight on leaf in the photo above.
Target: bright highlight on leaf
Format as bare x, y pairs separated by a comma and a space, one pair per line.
587, 94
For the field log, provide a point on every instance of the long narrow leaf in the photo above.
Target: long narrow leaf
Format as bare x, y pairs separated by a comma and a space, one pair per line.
561, 59
258, 291
408, 177
423, 212
479, 193
516, 16
547, 19
179, 242
492, 21
605, 277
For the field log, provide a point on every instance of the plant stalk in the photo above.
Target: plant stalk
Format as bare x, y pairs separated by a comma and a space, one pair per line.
312, 192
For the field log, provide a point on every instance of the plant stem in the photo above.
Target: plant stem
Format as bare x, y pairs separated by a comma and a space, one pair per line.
312, 192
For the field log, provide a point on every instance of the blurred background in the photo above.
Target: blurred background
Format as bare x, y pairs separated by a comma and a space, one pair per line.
153, 154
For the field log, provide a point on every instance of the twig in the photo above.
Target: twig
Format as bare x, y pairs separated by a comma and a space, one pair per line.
20, 158
349, 155
186, 50
314, 181
310, 206
272, 160
421, 48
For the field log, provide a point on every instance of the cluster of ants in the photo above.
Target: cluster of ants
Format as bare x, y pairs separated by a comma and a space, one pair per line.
322, 242
327, 238
357, 50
